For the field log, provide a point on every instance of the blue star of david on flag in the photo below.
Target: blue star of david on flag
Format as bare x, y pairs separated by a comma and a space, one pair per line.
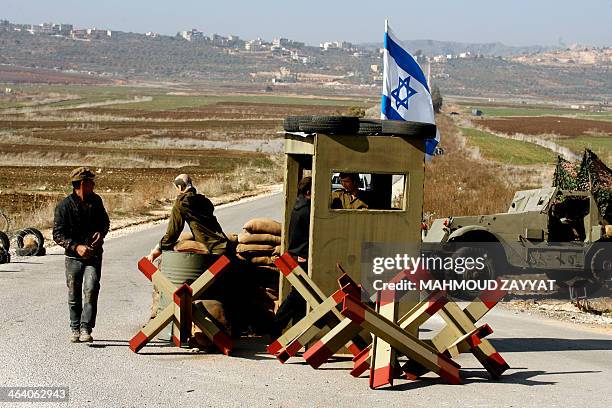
411, 91
397, 92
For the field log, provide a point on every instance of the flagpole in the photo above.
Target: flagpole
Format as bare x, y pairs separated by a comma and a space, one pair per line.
386, 25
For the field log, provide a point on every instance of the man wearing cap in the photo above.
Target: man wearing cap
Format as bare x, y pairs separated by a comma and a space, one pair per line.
80, 225
197, 211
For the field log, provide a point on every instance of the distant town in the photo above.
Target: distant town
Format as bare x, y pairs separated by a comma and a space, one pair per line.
277, 45
458, 68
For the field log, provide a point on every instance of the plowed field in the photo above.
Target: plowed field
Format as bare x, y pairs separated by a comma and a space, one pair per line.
547, 125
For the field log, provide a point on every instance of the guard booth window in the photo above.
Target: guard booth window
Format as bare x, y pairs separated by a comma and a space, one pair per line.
367, 191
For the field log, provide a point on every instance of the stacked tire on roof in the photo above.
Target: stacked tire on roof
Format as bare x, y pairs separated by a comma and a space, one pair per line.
351, 125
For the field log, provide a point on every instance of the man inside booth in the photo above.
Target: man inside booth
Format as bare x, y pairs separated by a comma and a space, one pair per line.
350, 197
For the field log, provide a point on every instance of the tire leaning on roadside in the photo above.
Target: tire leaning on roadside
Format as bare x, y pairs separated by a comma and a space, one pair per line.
5, 242
5, 257
21, 250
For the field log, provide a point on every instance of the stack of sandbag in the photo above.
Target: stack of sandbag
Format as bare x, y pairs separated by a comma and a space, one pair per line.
259, 241
186, 243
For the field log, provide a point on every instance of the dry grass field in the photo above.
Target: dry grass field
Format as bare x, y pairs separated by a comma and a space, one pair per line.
538, 125
228, 143
227, 146
459, 182
573, 133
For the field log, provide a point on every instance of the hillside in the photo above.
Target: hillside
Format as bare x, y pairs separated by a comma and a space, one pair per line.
130, 56
494, 77
496, 49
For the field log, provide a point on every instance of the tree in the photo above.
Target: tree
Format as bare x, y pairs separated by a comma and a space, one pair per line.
356, 111
436, 98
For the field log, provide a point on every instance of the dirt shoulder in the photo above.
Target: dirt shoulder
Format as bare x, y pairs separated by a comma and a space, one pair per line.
127, 225
592, 314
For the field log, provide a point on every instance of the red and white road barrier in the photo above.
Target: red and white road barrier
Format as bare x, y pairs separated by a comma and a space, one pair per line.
460, 325
181, 311
323, 313
400, 340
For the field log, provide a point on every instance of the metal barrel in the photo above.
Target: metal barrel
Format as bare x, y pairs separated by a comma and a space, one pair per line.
179, 268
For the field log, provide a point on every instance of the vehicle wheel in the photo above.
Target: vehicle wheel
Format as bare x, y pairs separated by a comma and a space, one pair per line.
36, 250
473, 273
369, 127
601, 268
5, 243
292, 123
405, 128
346, 125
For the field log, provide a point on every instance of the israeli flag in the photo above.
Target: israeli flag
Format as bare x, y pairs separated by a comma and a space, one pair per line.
406, 94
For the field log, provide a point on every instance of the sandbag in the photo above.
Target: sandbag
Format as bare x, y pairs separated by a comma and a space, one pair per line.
233, 238
263, 260
193, 247
277, 251
248, 238
254, 249
215, 310
185, 236
263, 226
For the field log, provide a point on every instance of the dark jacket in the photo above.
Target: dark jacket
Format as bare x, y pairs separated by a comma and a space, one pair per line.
197, 211
76, 221
299, 228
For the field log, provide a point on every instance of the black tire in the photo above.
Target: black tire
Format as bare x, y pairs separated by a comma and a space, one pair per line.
370, 127
39, 250
5, 242
5, 257
488, 272
333, 125
292, 123
404, 128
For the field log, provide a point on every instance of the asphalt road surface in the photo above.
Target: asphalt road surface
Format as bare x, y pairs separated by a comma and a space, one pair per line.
553, 363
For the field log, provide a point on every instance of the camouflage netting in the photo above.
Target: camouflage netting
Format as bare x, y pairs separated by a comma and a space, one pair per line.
591, 174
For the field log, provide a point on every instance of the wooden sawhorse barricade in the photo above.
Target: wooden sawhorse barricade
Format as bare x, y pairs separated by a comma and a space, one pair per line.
323, 314
459, 335
181, 311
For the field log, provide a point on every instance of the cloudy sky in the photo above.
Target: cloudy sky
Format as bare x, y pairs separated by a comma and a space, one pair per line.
515, 22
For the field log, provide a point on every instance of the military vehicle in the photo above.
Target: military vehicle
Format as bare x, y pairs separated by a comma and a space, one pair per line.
564, 231
557, 232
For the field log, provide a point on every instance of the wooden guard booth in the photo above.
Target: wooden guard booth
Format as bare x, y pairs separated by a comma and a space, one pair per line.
336, 235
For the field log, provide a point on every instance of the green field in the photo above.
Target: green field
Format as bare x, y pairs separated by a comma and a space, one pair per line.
526, 111
170, 102
506, 150
601, 145
161, 99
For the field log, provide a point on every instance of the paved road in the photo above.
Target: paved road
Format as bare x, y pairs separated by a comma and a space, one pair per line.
554, 364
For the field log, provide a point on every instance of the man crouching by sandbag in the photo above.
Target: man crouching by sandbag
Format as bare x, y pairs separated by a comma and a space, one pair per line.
197, 211
207, 238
